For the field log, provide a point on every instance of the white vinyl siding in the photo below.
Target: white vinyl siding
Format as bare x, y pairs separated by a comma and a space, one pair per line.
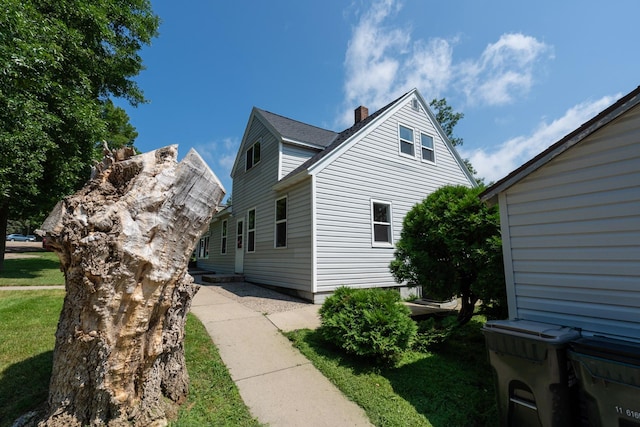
288, 267
220, 263
372, 170
292, 157
572, 252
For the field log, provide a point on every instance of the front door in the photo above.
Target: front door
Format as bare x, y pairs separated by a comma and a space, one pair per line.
240, 246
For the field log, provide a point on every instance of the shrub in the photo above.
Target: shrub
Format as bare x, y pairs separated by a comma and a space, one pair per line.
434, 331
368, 322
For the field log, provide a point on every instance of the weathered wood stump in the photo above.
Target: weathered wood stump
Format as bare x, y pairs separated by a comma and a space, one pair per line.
124, 242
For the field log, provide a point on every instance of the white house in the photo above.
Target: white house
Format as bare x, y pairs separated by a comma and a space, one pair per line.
570, 222
315, 209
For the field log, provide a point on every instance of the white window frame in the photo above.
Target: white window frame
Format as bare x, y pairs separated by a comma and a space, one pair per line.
251, 232
203, 247
374, 242
412, 142
251, 153
224, 237
281, 221
432, 149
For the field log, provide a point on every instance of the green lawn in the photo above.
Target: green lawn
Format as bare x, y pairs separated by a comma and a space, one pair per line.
450, 387
29, 320
38, 269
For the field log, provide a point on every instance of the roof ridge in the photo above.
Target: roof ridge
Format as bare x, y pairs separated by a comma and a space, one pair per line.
294, 120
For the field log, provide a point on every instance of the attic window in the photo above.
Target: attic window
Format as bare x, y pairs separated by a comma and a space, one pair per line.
428, 154
406, 141
253, 155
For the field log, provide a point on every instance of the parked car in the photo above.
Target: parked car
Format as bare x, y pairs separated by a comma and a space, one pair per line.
31, 237
17, 238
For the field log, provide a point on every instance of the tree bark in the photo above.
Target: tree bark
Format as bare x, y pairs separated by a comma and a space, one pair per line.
124, 242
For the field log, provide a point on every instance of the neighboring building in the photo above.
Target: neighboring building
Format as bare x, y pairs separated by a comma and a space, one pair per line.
315, 209
570, 222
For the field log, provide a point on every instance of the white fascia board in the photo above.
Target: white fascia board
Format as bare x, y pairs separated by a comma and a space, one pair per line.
302, 144
243, 140
444, 137
290, 181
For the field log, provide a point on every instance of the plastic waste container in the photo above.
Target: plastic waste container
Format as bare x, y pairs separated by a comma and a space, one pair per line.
608, 373
535, 383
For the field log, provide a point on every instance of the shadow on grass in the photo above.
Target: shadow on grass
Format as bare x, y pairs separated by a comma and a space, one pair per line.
451, 386
27, 268
24, 387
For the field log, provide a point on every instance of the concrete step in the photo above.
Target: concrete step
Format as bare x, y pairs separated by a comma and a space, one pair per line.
222, 278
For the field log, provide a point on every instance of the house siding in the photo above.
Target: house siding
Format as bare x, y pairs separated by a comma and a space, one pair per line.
292, 157
218, 262
373, 169
572, 233
288, 267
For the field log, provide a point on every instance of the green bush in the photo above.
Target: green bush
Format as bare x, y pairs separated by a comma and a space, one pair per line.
434, 331
368, 322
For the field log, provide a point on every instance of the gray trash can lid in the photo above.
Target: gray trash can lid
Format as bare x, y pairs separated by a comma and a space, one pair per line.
530, 329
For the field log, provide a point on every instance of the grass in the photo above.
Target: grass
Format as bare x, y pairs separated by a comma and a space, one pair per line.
450, 387
27, 329
39, 269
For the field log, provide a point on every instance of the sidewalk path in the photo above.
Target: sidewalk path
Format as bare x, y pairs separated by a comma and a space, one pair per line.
279, 385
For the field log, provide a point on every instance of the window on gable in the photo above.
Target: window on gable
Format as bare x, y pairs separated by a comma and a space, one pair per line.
203, 247
223, 244
251, 231
381, 223
406, 141
253, 155
281, 223
428, 153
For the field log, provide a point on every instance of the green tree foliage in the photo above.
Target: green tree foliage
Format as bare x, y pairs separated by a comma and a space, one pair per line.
371, 323
450, 246
448, 119
60, 61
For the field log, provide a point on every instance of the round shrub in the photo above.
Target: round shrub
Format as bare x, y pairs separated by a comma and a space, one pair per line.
368, 322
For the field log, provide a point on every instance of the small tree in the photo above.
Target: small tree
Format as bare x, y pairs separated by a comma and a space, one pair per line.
450, 246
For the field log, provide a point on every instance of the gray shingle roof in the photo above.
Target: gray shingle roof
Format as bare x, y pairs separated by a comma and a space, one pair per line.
298, 131
342, 137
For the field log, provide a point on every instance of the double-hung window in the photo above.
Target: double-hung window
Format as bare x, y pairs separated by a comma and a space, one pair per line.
381, 232
406, 141
253, 155
281, 223
203, 247
428, 154
223, 239
251, 231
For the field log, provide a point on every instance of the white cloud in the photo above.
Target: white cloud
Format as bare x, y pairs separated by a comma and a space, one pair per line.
382, 61
505, 69
496, 163
220, 155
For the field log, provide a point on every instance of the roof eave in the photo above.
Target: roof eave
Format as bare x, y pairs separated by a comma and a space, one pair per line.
624, 104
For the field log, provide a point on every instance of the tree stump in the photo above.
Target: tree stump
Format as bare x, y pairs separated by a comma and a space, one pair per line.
124, 242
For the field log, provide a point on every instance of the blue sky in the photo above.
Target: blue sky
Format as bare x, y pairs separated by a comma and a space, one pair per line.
523, 73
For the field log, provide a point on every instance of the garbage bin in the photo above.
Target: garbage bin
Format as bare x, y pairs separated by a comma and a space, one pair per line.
608, 373
535, 385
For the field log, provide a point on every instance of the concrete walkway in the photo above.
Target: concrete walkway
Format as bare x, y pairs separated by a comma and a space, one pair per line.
279, 385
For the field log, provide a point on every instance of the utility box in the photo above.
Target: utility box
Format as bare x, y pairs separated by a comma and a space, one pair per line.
608, 373
535, 384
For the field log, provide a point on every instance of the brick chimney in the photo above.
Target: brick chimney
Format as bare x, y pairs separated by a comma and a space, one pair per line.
361, 113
